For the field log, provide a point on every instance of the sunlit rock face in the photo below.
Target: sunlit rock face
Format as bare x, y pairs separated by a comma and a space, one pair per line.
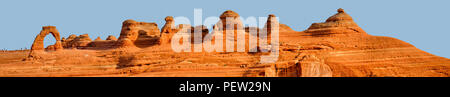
168, 30
339, 24
141, 34
338, 47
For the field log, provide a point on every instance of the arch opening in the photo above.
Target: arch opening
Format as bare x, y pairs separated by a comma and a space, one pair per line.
49, 43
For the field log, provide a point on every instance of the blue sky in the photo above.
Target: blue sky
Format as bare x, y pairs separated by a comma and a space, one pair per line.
422, 23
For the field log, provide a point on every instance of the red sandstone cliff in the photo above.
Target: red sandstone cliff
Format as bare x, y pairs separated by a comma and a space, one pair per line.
337, 47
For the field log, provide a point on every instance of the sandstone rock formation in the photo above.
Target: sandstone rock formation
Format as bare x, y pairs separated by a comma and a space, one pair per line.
338, 24
140, 34
285, 28
168, 30
264, 35
190, 32
269, 27
334, 48
50, 48
247, 29
111, 37
184, 31
79, 42
38, 43
341, 49
311, 66
201, 30
109, 43
98, 39
126, 43
229, 28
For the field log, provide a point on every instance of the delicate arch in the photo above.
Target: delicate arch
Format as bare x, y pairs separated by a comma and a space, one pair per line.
38, 43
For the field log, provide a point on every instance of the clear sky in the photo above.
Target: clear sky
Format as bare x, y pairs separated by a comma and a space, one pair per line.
422, 23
